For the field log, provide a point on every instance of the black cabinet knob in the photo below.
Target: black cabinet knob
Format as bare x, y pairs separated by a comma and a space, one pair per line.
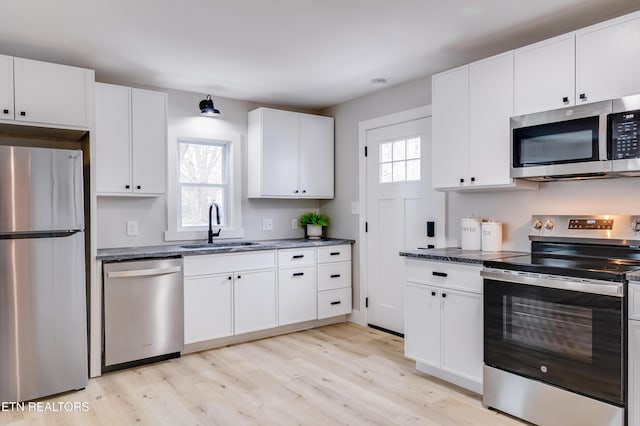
444, 294
295, 192
433, 293
239, 276
5, 111
138, 187
583, 96
473, 179
565, 99
23, 113
461, 180
229, 277
127, 186
304, 191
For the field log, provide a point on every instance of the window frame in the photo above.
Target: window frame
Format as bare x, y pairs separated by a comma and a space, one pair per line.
227, 209
405, 160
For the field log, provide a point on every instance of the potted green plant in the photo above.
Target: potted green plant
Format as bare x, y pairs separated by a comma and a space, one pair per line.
314, 223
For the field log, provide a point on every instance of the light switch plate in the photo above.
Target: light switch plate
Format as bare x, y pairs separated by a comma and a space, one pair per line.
294, 223
132, 228
267, 224
355, 207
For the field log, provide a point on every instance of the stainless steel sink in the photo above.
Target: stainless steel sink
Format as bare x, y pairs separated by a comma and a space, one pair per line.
220, 244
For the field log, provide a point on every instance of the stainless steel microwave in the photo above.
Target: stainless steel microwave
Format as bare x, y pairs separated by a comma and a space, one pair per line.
587, 141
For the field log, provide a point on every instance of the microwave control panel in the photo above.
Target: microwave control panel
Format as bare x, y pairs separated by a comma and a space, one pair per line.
623, 135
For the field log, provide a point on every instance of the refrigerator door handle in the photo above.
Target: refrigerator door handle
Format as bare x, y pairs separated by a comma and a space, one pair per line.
144, 272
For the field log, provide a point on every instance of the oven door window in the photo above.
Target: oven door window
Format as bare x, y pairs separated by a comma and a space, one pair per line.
564, 142
565, 338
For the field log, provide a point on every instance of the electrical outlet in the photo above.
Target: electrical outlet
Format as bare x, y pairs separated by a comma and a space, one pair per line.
267, 224
294, 223
132, 228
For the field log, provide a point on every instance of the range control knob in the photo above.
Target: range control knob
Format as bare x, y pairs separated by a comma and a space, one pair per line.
537, 225
635, 226
548, 225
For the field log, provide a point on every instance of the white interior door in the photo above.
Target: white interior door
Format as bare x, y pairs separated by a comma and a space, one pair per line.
400, 201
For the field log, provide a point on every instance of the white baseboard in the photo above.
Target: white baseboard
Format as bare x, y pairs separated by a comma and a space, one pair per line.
357, 317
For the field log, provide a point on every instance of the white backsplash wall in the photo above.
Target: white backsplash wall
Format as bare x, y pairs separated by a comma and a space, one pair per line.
151, 213
514, 208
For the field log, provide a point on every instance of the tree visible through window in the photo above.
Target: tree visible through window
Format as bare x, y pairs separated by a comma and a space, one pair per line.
203, 177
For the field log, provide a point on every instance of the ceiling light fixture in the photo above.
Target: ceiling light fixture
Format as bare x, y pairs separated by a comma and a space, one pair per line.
207, 108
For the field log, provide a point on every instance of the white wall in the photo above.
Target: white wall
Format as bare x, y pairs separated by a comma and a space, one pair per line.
347, 117
151, 213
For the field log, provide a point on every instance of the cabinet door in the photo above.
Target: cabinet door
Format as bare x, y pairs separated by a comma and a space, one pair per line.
6, 87
450, 145
490, 107
113, 139
207, 307
607, 60
254, 301
50, 93
634, 373
545, 75
462, 350
296, 295
422, 324
316, 156
280, 130
149, 141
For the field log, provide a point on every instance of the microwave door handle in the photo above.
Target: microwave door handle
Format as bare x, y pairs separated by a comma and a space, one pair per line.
602, 138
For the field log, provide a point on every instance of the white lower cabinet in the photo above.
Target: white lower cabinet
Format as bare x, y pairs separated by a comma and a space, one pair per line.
296, 295
208, 304
254, 301
443, 324
334, 281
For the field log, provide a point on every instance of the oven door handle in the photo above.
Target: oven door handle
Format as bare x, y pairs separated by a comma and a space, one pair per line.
606, 288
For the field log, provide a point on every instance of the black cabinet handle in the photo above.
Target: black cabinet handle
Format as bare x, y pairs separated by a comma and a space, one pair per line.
433, 293
5, 111
583, 96
335, 276
473, 179
335, 253
298, 274
22, 113
439, 274
444, 294
127, 186
298, 256
565, 99
336, 303
138, 187
239, 276
461, 180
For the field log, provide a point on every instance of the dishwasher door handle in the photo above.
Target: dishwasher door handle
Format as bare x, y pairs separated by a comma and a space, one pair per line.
144, 272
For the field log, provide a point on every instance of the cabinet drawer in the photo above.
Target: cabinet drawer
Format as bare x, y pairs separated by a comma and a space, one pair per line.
334, 253
296, 257
445, 274
219, 263
334, 275
334, 302
634, 300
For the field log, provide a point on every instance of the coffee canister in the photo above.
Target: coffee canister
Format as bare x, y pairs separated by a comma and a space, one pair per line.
471, 233
491, 236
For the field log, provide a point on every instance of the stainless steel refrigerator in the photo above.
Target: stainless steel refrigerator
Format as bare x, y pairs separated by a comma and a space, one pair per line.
43, 323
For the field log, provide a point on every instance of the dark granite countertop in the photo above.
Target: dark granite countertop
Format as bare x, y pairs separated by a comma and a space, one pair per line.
633, 276
230, 246
456, 254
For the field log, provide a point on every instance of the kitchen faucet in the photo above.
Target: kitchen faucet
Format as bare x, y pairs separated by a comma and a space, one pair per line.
211, 233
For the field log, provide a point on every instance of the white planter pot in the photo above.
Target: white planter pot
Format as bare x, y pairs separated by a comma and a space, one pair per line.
314, 232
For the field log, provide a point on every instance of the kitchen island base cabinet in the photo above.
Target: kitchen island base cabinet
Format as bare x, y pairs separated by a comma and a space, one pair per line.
443, 331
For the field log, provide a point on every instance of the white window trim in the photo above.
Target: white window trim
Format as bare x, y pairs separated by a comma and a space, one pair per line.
233, 229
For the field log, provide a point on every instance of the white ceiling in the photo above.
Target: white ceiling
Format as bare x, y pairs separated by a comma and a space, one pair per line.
299, 53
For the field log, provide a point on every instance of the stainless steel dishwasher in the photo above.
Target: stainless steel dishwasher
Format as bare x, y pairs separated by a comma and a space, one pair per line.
143, 312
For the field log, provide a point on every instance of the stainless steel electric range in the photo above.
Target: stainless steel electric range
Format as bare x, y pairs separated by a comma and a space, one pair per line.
555, 338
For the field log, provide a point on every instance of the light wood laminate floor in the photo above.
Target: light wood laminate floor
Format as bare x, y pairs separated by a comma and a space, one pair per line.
338, 374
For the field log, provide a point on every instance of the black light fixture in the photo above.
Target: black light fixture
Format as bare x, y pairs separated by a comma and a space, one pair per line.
207, 108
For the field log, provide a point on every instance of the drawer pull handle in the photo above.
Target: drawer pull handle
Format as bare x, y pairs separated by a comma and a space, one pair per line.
335, 253
439, 274
298, 274
335, 276
336, 303
298, 256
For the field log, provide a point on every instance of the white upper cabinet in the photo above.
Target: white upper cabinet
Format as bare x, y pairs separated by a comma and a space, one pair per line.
6, 87
545, 75
290, 155
450, 144
471, 109
608, 59
131, 141
41, 93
